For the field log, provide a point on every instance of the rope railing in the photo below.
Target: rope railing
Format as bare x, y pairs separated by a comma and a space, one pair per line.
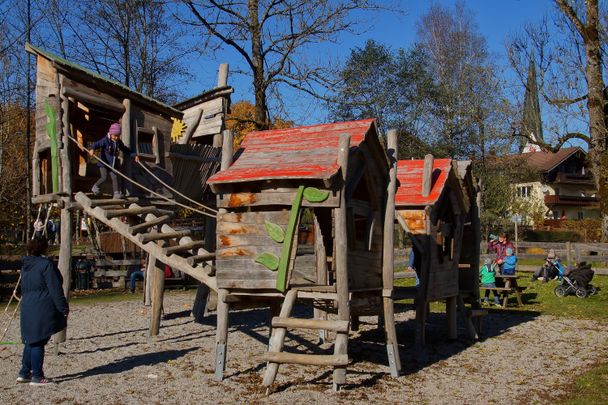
174, 190
146, 188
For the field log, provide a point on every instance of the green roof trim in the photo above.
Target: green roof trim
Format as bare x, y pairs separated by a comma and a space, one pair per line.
67, 64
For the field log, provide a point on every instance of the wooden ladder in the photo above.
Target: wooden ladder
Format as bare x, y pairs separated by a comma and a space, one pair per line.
147, 228
276, 356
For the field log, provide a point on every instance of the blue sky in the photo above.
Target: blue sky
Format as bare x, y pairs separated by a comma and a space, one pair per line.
497, 20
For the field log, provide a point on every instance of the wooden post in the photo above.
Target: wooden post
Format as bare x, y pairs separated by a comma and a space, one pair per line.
476, 227
221, 331
427, 175
65, 250
321, 266
450, 309
127, 140
221, 335
148, 280
388, 260
222, 75
158, 287
227, 151
341, 258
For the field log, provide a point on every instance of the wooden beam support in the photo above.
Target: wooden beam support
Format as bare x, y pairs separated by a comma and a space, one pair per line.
341, 261
427, 175
388, 259
306, 359
153, 236
96, 101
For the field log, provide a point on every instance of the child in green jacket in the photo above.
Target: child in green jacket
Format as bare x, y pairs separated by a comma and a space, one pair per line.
486, 275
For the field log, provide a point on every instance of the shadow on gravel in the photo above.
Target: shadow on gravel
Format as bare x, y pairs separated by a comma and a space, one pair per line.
128, 363
370, 346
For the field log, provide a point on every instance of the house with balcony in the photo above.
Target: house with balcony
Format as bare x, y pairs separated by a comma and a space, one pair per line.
564, 187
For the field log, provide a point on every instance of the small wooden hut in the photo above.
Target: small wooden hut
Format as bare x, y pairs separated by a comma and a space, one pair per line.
432, 206
333, 178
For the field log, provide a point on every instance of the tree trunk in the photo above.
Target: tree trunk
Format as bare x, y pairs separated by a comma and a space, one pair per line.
259, 84
595, 104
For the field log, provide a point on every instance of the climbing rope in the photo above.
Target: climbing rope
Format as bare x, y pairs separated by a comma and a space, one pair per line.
144, 187
12, 316
174, 190
43, 224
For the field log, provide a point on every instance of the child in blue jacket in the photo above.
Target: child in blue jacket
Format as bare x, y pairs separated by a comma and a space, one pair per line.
110, 146
509, 263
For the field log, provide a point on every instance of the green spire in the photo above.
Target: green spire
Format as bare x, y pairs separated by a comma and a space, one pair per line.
531, 121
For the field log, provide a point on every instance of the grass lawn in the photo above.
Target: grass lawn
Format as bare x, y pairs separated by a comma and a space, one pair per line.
591, 388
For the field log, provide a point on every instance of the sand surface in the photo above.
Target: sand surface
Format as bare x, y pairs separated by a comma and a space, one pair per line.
109, 359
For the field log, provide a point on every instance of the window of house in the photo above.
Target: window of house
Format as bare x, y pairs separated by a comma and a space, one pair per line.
524, 191
580, 215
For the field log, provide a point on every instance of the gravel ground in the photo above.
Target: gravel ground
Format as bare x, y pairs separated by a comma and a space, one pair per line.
109, 359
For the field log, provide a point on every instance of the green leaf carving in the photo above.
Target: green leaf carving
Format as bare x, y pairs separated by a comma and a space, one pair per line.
51, 132
289, 234
274, 231
314, 195
270, 261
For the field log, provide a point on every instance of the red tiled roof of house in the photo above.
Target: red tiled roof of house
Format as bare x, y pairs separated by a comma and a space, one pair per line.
309, 152
545, 161
409, 175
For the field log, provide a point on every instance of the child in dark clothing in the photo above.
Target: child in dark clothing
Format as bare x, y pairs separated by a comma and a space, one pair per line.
110, 145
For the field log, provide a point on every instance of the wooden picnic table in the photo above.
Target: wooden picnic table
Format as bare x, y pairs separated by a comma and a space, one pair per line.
509, 286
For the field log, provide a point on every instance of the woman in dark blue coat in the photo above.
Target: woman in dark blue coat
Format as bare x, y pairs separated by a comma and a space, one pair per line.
44, 309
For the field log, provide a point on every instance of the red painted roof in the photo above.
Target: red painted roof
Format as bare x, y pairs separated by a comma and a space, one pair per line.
292, 153
409, 174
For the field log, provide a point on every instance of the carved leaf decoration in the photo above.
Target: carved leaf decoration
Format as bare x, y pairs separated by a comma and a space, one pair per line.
275, 231
314, 195
268, 260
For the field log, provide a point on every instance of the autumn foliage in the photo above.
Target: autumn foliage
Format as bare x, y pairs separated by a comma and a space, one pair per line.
241, 121
13, 169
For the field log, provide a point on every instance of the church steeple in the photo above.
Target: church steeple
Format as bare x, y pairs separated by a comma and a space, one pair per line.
531, 121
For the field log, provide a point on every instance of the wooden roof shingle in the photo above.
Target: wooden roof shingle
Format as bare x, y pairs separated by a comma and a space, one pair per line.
409, 187
309, 152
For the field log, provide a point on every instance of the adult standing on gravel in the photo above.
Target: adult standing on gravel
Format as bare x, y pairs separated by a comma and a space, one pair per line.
44, 310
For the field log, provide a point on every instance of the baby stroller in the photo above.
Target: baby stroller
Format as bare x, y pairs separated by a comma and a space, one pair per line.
577, 281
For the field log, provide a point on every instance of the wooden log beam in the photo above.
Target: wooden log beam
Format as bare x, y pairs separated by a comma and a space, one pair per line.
184, 247
194, 260
90, 99
388, 259
156, 296
153, 236
149, 224
306, 359
65, 250
137, 211
427, 175
341, 261
300, 323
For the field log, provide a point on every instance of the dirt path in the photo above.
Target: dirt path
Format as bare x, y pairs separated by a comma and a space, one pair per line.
109, 360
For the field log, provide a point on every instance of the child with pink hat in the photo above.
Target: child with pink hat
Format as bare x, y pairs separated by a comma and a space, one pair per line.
110, 146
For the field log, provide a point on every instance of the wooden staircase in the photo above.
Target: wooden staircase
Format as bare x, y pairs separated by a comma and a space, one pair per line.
280, 324
147, 227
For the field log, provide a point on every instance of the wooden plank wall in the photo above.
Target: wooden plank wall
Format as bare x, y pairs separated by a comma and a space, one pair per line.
192, 166
241, 237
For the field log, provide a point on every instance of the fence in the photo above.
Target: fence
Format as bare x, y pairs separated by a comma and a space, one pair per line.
570, 253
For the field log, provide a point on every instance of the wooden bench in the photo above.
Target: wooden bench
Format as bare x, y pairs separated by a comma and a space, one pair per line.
510, 287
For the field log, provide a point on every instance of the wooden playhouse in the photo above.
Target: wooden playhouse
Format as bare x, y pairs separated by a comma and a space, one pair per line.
332, 179
74, 108
435, 205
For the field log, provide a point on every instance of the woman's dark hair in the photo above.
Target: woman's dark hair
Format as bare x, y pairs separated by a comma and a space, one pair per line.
37, 246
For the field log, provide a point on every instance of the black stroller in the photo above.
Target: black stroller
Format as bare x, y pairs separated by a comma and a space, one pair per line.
577, 281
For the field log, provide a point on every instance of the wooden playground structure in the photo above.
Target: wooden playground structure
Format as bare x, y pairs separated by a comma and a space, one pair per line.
337, 179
